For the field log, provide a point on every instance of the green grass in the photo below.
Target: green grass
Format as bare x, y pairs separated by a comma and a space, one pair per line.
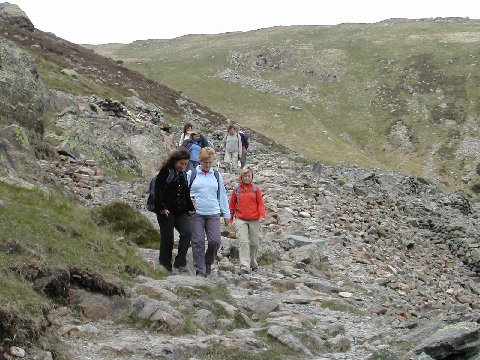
52, 76
342, 307
121, 218
54, 232
274, 351
48, 232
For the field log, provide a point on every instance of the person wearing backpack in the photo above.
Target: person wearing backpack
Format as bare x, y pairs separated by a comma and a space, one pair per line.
211, 203
247, 211
233, 147
205, 142
244, 140
187, 130
173, 207
193, 144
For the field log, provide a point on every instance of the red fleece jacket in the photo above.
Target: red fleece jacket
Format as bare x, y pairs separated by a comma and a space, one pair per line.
248, 205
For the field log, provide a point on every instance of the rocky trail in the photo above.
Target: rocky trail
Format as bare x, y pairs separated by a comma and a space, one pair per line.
355, 263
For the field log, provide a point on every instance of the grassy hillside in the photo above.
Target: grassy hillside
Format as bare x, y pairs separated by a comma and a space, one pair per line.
399, 94
41, 234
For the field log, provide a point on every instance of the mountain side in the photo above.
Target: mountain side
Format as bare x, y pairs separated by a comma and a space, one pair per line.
399, 94
355, 263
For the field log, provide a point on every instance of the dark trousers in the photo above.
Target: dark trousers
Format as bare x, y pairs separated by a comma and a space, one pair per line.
243, 158
205, 225
182, 224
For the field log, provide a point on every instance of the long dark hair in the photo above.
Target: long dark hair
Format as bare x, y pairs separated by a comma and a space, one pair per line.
174, 156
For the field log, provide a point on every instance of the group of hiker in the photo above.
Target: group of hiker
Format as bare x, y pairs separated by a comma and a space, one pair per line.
234, 143
190, 196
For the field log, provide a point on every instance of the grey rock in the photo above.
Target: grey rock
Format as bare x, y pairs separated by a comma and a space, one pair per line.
205, 318
285, 337
458, 338
23, 96
15, 16
260, 304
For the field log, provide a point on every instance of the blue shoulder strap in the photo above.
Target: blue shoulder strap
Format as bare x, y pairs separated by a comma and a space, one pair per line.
217, 176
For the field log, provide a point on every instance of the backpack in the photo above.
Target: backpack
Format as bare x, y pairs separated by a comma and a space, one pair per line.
244, 138
151, 189
215, 172
236, 190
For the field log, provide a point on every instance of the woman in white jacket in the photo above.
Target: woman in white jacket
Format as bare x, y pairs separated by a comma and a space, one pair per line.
187, 129
211, 203
233, 147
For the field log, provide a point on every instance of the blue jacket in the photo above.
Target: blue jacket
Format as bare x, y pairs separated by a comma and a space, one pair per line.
194, 148
204, 189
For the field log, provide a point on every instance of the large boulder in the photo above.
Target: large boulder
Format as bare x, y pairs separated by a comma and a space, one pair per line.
15, 16
22, 94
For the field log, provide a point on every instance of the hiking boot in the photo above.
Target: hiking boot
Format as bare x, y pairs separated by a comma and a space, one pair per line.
198, 273
209, 269
244, 270
180, 270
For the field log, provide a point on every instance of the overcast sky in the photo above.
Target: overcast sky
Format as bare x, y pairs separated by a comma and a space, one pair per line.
107, 21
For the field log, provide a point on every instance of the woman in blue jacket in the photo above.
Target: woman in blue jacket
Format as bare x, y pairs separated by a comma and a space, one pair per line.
193, 144
211, 203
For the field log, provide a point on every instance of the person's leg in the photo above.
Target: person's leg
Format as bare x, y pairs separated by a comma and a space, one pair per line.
243, 159
184, 228
166, 240
254, 236
235, 159
198, 243
227, 159
241, 228
214, 237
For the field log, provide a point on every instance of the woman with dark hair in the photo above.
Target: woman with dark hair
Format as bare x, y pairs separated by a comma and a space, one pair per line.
187, 128
173, 206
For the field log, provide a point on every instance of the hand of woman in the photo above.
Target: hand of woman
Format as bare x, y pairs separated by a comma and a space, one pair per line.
165, 212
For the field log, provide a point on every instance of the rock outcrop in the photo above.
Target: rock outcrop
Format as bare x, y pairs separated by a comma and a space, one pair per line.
15, 16
23, 96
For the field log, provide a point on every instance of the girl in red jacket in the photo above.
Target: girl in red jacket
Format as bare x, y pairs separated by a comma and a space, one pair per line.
247, 210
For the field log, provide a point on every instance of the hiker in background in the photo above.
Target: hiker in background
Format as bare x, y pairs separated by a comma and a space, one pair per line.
193, 144
233, 147
211, 203
173, 206
187, 128
244, 139
247, 211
